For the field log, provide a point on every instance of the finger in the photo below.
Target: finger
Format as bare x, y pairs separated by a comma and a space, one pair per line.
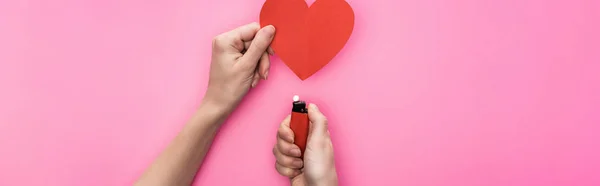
247, 45
286, 121
259, 45
287, 161
270, 51
318, 121
246, 32
255, 79
285, 132
236, 37
263, 66
286, 171
287, 148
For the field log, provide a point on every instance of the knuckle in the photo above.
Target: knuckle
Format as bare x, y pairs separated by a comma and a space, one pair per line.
287, 119
218, 41
279, 169
281, 147
317, 145
287, 161
287, 172
284, 161
258, 42
323, 119
215, 41
290, 172
287, 134
262, 45
280, 161
280, 131
324, 144
282, 170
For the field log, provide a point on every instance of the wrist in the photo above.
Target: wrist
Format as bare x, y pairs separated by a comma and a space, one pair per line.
220, 98
217, 102
327, 180
215, 110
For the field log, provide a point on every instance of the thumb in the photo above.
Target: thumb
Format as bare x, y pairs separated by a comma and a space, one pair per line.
258, 47
318, 121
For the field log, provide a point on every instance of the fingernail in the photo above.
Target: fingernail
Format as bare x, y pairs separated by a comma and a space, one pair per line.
270, 51
296, 152
313, 106
254, 84
297, 163
266, 74
270, 30
296, 173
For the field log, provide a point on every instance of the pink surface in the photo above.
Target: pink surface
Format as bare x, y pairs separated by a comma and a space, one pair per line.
433, 92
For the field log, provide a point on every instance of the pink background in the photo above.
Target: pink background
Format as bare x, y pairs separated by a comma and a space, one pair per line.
428, 92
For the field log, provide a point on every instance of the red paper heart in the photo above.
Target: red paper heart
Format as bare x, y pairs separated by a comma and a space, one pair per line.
308, 38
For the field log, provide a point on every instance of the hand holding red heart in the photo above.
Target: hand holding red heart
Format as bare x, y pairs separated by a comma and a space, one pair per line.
239, 60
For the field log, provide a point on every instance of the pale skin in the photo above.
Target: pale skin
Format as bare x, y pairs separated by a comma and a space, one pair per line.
240, 59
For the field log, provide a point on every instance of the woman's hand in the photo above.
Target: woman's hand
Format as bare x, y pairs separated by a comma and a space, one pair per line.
318, 166
239, 60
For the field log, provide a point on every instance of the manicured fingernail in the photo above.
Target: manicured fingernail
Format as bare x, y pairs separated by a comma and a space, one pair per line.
297, 163
296, 152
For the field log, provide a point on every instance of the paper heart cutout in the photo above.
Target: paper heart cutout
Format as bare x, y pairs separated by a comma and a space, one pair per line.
306, 39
